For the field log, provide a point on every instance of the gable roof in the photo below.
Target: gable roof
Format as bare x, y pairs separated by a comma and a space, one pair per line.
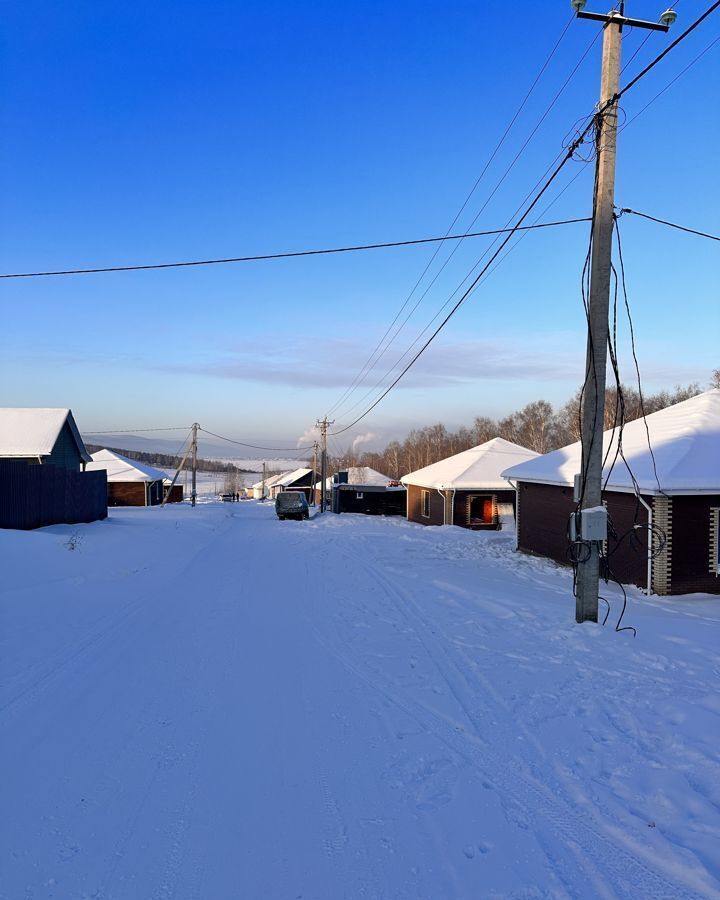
290, 478
31, 431
120, 469
685, 440
474, 469
270, 480
364, 476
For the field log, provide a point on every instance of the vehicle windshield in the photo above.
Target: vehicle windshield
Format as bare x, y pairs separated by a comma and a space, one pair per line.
290, 500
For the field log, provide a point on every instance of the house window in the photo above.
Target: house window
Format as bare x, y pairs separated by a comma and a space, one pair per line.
425, 504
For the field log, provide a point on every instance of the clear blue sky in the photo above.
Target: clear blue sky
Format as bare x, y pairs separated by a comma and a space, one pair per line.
139, 132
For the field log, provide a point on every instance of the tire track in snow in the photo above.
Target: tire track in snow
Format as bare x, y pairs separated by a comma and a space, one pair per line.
627, 873
105, 629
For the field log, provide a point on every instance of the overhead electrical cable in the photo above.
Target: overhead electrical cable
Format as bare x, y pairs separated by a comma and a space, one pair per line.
138, 430
212, 262
576, 143
492, 156
671, 82
369, 367
255, 446
449, 300
634, 212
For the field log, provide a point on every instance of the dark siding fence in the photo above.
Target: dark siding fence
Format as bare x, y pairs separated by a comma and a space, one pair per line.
35, 495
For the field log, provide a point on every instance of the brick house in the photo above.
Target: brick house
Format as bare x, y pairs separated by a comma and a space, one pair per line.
677, 496
466, 489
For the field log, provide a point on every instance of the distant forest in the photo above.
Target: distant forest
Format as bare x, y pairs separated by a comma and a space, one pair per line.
536, 426
168, 461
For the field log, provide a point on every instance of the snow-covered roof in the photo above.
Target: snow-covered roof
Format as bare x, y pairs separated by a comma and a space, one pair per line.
28, 431
291, 477
364, 476
120, 468
359, 476
685, 439
474, 469
271, 480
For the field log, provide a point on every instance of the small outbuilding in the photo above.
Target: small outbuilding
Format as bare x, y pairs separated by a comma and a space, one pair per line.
45, 435
129, 482
42, 482
361, 489
466, 489
664, 504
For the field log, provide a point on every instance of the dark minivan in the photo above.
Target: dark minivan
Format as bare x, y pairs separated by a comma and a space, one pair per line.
292, 505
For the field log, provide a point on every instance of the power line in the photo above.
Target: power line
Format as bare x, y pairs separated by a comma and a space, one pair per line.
367, 367
671, 46
573, 147
489, 271
672, 82
139, 430
213, 262
634, 212
467, 292
254, 446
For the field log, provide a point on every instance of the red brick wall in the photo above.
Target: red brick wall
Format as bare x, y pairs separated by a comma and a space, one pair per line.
542, 528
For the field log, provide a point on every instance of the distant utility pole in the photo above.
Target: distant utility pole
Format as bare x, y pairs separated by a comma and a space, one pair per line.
262, 492
323, 426
314, 475
593, 410
193, 450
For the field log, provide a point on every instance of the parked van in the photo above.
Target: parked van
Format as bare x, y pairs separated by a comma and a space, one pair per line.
292, 505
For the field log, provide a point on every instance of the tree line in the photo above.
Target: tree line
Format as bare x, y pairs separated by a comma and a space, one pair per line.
537, 426
169, 461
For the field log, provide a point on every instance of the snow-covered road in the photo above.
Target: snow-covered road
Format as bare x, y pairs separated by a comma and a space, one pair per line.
213, 704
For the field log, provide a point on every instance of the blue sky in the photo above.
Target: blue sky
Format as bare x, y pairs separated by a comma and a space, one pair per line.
138, 133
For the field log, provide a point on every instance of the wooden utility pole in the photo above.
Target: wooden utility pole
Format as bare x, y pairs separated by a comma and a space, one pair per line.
323, 426
593, 409
262, 492
193, 450
314, 475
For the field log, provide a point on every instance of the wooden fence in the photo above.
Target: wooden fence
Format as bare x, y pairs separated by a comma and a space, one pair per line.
35, 495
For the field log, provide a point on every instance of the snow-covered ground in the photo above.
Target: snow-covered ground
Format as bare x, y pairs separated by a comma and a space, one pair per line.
214, 704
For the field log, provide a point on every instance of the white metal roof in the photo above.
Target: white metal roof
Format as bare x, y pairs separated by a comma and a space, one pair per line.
363, 476
28, 431
685, 440
119, 468
360, 476
291, 477
479, 468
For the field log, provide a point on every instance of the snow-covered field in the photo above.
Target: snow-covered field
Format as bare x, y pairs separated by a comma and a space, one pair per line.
214, 704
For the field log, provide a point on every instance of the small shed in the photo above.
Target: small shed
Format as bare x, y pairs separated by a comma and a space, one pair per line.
675, 487
466, 489
130, 483
42, 482
46, 435
361, 489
